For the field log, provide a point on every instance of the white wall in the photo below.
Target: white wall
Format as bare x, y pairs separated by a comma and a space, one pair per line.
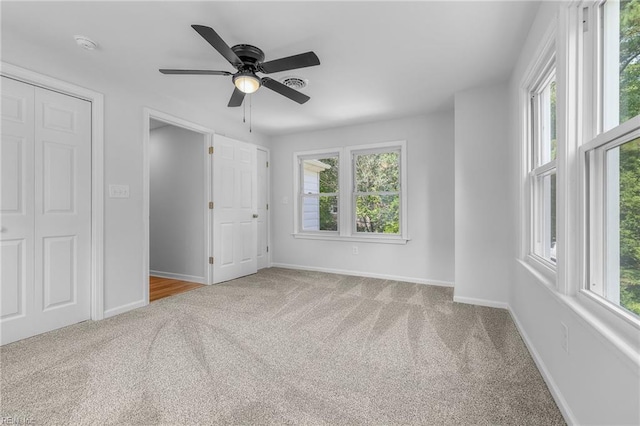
177, 217
123, 161
428, 257
598, 381
482, 205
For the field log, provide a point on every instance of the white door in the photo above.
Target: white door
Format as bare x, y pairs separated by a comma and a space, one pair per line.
263, 199
45, 210
235, 202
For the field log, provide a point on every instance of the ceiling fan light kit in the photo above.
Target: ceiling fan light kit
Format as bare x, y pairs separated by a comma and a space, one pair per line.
246, 81
249, 60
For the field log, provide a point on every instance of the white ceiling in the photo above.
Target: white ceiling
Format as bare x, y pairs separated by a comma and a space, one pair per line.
379, 60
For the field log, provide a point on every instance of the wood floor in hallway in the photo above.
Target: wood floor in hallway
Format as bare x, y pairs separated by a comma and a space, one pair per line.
164, 287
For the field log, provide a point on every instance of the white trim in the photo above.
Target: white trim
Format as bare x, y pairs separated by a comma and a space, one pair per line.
147, 114
346, 221
297, 180
424, 281
268, 197
125, 308
181, 277
372, 238
481, 302
548, 378
97, 171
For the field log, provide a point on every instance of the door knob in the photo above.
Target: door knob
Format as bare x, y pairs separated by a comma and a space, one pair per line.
255, 216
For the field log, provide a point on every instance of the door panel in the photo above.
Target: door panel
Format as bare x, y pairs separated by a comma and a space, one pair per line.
59, 170
14, 278
45, 210
234, 227
11, 199
226, 243
17, 290
59, 286
62, 208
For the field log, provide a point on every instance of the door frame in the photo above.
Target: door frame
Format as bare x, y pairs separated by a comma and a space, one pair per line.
97, 169
148, 114
268, 197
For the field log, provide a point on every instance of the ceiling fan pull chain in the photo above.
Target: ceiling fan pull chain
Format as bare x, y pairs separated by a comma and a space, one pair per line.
250, 109
244, 111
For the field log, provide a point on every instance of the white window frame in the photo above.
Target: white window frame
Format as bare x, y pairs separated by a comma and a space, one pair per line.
299, 185
346, 201
541, 73
599, 268
540, 123
599, 262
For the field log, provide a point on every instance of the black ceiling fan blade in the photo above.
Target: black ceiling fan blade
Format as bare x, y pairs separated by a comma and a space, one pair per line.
236, 98
302, 60
290, 93
216, 41
194, 72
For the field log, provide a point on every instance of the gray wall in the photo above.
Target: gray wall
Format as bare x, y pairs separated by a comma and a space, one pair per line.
428, 256
124, 269
176, 214
483, 210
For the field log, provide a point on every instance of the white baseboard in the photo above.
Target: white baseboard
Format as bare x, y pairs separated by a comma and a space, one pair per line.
364, 274
181, 277
551, 384
480, 302
124, 308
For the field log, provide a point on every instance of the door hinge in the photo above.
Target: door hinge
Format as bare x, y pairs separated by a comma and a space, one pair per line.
210, 150
585, 19
267, 249
210, 204
211, 260
267, 206
267, 164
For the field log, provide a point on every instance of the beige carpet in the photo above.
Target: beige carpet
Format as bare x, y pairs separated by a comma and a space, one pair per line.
283, 347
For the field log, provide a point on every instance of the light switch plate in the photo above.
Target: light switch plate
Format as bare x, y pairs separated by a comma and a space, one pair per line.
118, 191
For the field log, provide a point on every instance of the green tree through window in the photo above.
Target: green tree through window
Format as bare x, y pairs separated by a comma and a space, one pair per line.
630, 157
377, 192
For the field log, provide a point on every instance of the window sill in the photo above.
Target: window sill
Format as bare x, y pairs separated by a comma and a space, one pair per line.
353, 239
606, 326
545, 270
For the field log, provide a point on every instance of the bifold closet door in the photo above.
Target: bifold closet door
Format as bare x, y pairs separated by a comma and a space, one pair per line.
46, 210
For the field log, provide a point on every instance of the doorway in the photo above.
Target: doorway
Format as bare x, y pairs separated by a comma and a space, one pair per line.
177, 214
177, 219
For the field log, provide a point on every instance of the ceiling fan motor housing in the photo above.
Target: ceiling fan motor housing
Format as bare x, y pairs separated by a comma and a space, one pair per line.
251, 56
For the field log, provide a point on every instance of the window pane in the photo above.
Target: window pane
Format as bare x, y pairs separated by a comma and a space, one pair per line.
621, 61
378, 213
320, 175
629, 59
378, 172
547, 142
320, 213
622, 278
546, 234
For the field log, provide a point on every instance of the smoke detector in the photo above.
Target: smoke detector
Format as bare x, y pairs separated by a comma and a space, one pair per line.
85, 42
296, 83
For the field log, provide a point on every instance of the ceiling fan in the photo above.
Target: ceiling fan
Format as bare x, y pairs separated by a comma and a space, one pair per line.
249, 60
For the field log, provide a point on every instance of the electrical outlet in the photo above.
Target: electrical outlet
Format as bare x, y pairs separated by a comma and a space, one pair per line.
564, 337
354, 250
